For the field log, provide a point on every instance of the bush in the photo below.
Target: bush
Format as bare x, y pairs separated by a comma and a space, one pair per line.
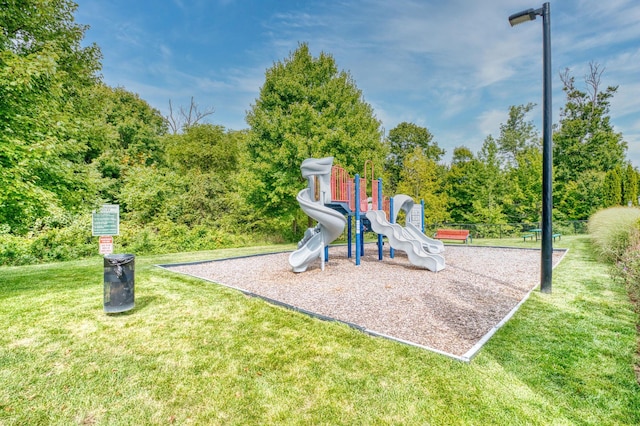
611, 231
69, 239
616, 236
629, 268
53, 239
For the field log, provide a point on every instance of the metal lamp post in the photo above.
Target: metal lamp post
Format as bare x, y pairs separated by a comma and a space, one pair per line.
547, 151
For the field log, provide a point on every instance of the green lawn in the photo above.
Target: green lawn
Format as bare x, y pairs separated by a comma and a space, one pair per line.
196, 353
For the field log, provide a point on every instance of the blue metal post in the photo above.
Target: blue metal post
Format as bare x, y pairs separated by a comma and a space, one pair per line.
422, 217
358, 230
380, 207
391, 220
362, 233
349, 236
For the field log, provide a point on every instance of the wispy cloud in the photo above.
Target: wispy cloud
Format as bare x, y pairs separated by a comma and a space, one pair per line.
454, 67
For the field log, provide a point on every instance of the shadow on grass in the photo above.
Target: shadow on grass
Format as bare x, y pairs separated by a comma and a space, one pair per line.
141, 303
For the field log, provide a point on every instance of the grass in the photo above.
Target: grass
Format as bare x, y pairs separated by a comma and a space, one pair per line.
195, 353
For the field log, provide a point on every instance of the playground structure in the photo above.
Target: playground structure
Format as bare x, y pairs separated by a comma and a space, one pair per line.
332, 198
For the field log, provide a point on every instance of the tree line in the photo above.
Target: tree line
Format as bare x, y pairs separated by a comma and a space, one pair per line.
69, 143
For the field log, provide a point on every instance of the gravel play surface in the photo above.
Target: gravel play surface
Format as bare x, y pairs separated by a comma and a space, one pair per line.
452, 311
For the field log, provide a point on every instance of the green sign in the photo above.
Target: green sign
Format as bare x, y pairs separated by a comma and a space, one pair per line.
106, 222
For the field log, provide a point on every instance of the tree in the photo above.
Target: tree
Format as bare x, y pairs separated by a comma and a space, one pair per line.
580, 198
422, 178
520, 156
517, 135
184, 118
206, 157
489, 187
306, 108
205, 147
585, 141
630, 186
44, 74
123, 133
403, 140
612, 188
460, 183
525, 186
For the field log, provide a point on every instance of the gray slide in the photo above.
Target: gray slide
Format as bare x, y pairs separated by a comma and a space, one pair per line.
405, 203
330, 222
429, 244
400, 239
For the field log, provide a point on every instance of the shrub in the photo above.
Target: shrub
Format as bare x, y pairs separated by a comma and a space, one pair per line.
629, 267
616, 235
55, 239
611, 231
52, 239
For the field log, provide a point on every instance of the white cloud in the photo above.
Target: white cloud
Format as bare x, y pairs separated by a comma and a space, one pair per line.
454, 67
489, 121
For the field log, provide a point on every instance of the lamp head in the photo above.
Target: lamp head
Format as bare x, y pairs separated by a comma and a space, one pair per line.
524, 16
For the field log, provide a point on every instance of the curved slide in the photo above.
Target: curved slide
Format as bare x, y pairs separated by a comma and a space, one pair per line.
429, 244
400, 239
330, 226
405, 203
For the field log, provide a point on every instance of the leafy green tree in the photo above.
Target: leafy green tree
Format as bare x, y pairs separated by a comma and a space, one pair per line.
580, 198
525, 186
517, 135
489, 186
44, 72
207, 160
460, 183
123, 132
148, 194
423, 178
205, 147
138, 126
402, 141
521, 160
307, 108
585, 140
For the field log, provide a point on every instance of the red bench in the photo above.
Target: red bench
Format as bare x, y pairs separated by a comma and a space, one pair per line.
453, 234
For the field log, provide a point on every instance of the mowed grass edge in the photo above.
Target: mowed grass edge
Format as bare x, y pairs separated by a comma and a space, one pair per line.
196, 353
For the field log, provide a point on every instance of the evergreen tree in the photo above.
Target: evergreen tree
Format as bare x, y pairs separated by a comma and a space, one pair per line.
630, 186
612, 188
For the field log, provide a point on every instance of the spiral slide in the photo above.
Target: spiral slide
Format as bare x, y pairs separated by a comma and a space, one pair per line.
400, 239
330, 226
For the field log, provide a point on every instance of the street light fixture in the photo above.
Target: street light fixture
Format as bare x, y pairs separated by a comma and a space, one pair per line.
547, 149
524, 16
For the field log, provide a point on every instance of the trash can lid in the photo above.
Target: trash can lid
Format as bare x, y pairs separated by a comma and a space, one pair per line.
119, 259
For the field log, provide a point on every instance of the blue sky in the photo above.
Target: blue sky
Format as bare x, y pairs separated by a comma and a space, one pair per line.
453, 66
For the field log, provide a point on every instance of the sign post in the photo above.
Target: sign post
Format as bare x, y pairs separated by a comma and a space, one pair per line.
106, 222
106, 244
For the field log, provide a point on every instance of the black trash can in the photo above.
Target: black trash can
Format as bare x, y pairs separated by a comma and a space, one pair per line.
119, 275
